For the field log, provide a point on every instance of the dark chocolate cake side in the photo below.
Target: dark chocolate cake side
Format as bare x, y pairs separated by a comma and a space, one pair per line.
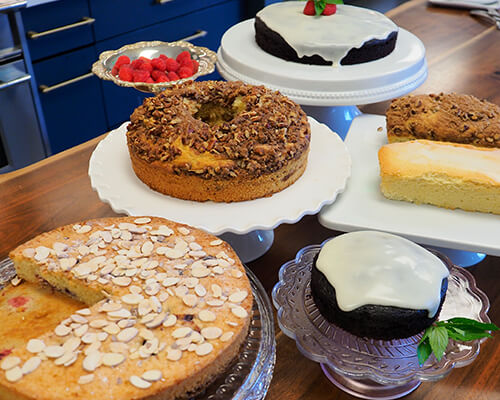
273, 43
372, 321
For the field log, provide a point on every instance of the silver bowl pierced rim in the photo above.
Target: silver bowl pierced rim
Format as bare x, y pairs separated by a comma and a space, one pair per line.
205, 57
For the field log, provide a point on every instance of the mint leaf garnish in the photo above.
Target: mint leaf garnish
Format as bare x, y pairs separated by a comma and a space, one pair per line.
436, 336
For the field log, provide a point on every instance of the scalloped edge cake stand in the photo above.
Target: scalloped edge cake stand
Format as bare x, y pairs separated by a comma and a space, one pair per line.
329, 94
364, 368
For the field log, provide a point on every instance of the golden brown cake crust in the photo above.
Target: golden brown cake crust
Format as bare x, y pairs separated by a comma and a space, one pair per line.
445, 117
183, 278
216, 134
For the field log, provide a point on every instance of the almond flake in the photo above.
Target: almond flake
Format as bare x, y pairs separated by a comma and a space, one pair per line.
71, 344
42, 253
215, 303
146, 334
98, 323
35, 346
216, 290
181, 332
83, 250
206, 316
170, 281
30, 365
238, 297
190, 282
200, 290
126, 323
174, 354
218, 270
10, 362
236, 273
29, 253
127, 334
195, 246
15, 281
204, 349
84, 229
184, 231
79, 319
216, 242
111, 328
89, 337
67, 263
152, 289
14, 374
163, 296
190, 300
65, 358
54, 351
84, 379
135, 289
200, 271
139, 382
122, 281
142, 220
226, 336
240, 312
112, 359
170, 321
84, 312
92, 361
152, 375
102, 336
211, 332
119, 314
82, 330
156, 322
132, 298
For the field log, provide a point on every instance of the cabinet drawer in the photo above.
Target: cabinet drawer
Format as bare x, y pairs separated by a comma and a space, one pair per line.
71, 98
120, 102
114, 17
57, 26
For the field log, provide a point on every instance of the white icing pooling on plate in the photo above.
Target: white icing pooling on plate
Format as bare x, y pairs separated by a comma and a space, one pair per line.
378, 268
332, 36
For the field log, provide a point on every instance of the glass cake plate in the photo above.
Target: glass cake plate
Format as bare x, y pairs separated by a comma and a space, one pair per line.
250, 374
367, 368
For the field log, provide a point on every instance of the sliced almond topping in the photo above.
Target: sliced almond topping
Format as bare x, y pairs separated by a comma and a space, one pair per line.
236, 273
112, 359
84, 379
112, 329
31, 364
146, 334
92, 361
84, 229
135, 289
163, 296
84, 311
126, 323
83, 250
211, 332
144, 307
79, 319
206, 316
184, 231
92, 348
65, 358
170, 281
119, 314
148, 318
102, 336
152, 289
132, 298
226, 336
216, 242
53, 351
190, 300
29, 253
152, 375
218, 270
67, 263
240, 312
181, 291
127, 334
200, 290
14, 374
157, 321
98, 323
142, 220
82, 330
238, 297
181, 332
139, 382
119, 347
122, 281
110, 306
35, 346
15, 281
147, 248
171, 320
10, 362
216, 290
89, 337
42, 253
174, 354
215, 303
204, 349
195, 246
191, 282
71, 344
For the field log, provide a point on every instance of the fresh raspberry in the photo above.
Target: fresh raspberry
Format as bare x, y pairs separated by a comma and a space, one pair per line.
146, 66
309, 8
329, 9
163, 78
185, 55
172, 65
186, 62
195, 66
137, 63
159, 64
158, 74
145, 59
185, 72
149, 80
173, 76
114, 70
141, 75
163, 57
126, 73
122, 60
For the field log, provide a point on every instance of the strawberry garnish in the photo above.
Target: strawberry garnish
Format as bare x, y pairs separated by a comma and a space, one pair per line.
329, 9
309, 8
321, 7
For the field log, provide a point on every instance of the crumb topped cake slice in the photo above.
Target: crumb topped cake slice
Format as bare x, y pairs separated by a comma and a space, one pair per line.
168, 309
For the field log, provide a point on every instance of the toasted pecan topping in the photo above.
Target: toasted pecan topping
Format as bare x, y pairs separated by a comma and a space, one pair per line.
219, 128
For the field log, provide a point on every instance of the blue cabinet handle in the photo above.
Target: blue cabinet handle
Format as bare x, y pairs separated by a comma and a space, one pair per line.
85, 21
163, 1
199, 33
47, 89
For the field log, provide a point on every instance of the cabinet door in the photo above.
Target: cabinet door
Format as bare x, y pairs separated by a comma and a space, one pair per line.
71, 98
207, 26
57, 26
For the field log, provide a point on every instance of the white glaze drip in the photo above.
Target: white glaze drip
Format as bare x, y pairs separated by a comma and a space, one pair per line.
378, 268
331, 36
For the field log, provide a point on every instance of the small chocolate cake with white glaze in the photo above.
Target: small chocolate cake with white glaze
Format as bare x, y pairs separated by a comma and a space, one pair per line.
378, 285
353, 35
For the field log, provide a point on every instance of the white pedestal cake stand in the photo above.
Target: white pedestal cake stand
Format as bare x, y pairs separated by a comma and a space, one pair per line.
246, 225
329, 94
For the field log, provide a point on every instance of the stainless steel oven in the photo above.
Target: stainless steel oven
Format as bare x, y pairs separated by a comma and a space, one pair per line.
22, 131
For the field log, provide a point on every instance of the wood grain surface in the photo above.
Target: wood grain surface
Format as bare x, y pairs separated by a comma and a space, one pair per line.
463, 55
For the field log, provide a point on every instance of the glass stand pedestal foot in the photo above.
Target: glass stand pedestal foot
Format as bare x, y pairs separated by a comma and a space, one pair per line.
250, 246
337, 118
461, 257
368, 389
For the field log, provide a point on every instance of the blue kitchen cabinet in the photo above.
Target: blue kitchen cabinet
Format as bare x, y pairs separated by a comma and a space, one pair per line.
71, 100
120, 102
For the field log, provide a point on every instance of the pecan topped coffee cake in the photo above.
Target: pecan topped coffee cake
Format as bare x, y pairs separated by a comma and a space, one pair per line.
220, 141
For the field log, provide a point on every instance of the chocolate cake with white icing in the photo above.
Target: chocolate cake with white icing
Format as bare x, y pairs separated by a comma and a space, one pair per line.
352, 35
378, 285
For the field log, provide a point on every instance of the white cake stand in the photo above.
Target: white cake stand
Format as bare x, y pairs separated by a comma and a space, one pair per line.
329, 94
246, 225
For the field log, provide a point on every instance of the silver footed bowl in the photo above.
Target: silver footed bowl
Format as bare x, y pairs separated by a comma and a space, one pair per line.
391, 362
107, 59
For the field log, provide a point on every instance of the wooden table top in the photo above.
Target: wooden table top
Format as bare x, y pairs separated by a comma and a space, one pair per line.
463, 55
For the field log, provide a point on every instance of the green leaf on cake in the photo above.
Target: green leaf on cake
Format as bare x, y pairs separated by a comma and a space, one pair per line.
423, 351
438, 339
319, 6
